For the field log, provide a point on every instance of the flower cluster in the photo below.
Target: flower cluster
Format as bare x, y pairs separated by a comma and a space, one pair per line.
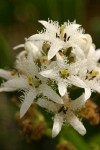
53, 62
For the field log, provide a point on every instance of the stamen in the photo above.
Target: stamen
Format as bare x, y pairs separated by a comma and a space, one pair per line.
63, 109
14, 72
30, 80
64, 72
36, 77
92, 74
65, 36
67, 51
68, 38
57, 36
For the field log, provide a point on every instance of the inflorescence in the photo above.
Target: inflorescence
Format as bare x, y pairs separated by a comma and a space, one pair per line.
52, 63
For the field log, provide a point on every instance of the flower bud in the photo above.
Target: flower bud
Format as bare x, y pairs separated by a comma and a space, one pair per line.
85, 42
29, 46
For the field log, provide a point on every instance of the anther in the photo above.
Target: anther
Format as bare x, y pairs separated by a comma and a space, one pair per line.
65, 36
57, 36
68, 38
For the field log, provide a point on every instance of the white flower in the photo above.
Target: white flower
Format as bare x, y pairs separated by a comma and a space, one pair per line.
29, 46
64, 74
63, 37
29, 80
90, 71
65, 113
90, 75
47, 80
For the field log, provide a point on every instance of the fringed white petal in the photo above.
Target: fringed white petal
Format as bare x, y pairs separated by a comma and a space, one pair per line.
49, 105
31, 66
26, 65
51, 27
80, 101
75, 123
16, 84
39, 37
76, 81
29, 98
58, 122
70, 27
87, 94
50, 93
62, 88
75, 67
55, 47
48, 73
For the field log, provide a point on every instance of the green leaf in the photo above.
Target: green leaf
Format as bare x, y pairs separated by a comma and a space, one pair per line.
77, 140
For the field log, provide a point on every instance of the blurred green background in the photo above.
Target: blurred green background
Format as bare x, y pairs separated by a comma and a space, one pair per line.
19, 19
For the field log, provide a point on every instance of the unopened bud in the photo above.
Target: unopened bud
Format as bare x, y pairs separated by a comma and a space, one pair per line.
85, 42
29, 46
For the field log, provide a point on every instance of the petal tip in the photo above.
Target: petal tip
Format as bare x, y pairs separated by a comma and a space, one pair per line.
21, 113
49, 57
83, 132
53, 135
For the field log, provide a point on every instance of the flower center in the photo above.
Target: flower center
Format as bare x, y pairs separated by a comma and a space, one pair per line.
63, 109
64, 73
92, 74
46, 47
34, 82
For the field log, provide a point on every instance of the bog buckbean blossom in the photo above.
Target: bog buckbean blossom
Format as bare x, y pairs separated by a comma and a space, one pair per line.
55, 62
